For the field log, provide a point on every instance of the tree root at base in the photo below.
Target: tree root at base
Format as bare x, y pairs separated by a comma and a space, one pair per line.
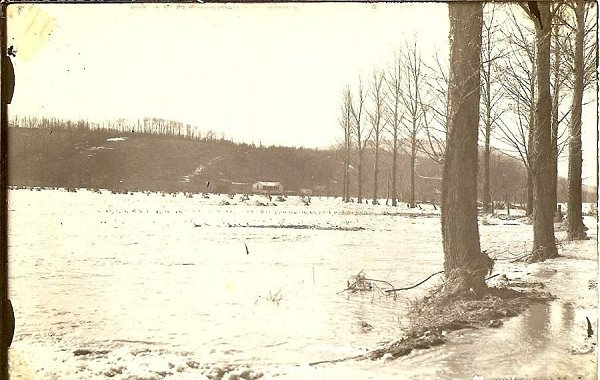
444, 310
441, 312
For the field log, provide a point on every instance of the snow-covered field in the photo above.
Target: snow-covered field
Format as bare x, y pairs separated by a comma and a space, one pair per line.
159, 286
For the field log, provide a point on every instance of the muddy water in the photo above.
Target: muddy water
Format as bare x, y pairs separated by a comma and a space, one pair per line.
160, 287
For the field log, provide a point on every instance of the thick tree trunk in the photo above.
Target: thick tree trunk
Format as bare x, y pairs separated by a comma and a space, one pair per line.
554, 120
464, 263
530, 141
544, 246
575, 228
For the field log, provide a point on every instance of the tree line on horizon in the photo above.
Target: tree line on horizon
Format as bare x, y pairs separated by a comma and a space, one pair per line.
142, 126
146, 126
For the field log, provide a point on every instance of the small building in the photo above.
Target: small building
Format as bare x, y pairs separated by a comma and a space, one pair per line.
267, 187
306, 192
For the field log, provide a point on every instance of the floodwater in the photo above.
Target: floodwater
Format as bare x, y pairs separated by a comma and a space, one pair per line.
159, 286
546, 340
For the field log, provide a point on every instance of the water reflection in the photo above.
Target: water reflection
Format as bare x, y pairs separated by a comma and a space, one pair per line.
568, 315
532, 344
535, 331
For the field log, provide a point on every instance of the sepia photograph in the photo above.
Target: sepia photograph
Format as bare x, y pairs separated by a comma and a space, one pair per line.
327, 190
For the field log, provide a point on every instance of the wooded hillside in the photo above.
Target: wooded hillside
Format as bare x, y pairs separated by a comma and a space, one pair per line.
92, 158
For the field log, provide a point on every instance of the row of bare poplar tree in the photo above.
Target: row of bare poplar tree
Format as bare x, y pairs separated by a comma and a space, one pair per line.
516, 78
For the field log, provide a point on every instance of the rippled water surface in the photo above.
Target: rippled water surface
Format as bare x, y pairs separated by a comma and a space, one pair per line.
163, 286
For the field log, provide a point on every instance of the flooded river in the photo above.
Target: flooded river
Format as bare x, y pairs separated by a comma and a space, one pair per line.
151, 286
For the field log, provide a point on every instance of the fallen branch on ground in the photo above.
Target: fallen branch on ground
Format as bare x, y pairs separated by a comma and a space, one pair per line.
413, 286
378, 288
363, 280
522, 257
383, 281
362, 283
361, 356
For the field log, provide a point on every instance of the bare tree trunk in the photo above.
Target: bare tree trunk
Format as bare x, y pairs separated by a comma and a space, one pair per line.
530, 142
376, 175
348, 149
357, 112
529, 158
387, 200
394, 170
554, 119
413, 155
347, 192
345, 185
554, 157
414, 108
375, 118
346, 124
487, 124
393, 118
486, 170
544, 245
463, 259
359, 177
529, 210
575, 229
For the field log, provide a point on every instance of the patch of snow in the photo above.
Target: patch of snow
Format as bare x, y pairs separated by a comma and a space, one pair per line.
100, 148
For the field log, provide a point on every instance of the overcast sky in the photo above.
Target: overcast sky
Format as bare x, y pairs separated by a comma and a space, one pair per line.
257, 72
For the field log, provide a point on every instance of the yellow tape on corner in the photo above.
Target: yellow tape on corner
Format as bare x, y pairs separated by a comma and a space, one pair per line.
29, 27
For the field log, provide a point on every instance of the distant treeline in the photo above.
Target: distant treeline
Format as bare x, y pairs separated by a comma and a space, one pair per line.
144, 126
52, 152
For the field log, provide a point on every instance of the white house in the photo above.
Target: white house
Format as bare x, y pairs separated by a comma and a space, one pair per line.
267, 187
